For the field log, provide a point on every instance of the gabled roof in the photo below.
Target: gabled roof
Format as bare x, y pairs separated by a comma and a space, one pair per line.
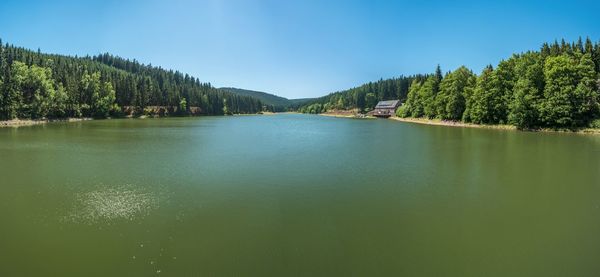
387, 104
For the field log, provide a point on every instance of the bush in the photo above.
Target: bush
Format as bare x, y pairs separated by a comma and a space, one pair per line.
116, 111
403, 111
148, 112
595, 124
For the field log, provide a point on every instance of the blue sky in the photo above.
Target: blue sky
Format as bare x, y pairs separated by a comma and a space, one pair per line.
297, 48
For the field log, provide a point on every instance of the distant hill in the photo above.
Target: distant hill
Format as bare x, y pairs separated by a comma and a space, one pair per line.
278, 103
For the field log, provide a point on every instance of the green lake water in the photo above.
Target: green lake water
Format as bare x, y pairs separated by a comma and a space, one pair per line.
296, 195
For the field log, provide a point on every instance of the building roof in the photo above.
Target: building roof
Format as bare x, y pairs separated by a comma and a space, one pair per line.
389, 104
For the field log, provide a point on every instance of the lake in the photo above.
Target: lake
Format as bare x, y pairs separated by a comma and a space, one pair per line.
296, 195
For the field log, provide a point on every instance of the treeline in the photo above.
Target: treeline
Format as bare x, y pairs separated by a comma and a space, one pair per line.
274, 102
38, 85
555, 87
364, 97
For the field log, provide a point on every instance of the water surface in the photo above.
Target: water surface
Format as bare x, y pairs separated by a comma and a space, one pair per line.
296, 195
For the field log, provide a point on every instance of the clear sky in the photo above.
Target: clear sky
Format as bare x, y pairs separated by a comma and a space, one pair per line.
298, 48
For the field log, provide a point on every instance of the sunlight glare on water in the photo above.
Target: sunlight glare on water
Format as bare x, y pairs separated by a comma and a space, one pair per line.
108, 204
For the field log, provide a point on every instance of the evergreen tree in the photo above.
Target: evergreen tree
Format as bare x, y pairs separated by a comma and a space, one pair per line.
360, 100
589, 46
3, 64
438, 79
371, 100
579, 46
12, 97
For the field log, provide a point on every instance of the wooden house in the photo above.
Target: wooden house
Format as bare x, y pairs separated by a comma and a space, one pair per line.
386, 108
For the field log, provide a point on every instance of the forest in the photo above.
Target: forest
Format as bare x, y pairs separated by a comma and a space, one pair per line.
34, 85
555, 87
364, 97
273, 102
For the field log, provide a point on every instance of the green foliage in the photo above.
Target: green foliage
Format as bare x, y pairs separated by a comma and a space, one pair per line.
525, 105
403, 111
450, 101
225, 108
571, 97
32, 93
486, 105
40, 87
560, 78
315, 108
59, 103
370, 100
413, 106
11, 95
89, 90
104, 100
272, 102
525, 89
183, 105
421, 98
556, 87
587, 92
359, 99
428, 92
364, 97
37, 85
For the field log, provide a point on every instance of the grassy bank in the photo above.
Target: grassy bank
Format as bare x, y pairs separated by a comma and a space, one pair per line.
485, 126
452, 123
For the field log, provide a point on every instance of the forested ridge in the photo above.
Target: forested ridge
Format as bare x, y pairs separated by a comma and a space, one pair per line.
37, 85
275, 103
364, 97
555, 87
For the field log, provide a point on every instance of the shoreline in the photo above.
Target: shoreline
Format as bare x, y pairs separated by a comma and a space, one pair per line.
15, 123
439, 122
449, 123
424, 121
31, 122
352, 114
